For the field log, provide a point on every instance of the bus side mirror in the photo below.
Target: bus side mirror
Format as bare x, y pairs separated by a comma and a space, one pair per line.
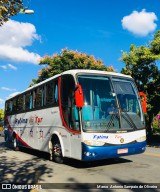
79, 97
143, 101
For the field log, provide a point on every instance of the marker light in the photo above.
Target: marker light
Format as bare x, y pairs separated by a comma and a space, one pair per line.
89, 154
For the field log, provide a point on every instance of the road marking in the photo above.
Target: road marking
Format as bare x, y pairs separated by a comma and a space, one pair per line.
152, 154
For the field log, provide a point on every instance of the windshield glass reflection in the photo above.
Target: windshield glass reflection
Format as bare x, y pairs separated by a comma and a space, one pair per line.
110, 106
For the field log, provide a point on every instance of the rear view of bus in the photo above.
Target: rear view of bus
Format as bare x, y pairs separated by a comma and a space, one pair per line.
113, 124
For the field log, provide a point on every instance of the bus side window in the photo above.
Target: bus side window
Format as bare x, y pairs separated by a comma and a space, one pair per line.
49, 93
39, 97
14, 105
20, 103
7, 108
31, 100
27, 101
43, 96
10, 106
56, 92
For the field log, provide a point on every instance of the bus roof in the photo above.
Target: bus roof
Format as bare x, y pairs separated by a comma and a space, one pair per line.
73, 72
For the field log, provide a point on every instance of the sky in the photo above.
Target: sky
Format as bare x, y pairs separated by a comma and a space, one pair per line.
102, 28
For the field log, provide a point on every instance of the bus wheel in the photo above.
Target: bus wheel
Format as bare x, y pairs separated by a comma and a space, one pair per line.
57, 152
15, 144
6, 137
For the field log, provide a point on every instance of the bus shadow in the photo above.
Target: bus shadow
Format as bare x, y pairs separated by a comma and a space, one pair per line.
77, 163
16, 170
37, 153
72, 162
91, 164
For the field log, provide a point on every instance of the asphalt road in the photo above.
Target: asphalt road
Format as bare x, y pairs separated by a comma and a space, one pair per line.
32, 167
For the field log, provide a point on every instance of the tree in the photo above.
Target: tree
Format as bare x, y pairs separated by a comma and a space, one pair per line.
9, 8
141, 64
1, 114
68, 60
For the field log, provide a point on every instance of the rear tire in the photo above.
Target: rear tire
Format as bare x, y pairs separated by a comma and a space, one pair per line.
15, 143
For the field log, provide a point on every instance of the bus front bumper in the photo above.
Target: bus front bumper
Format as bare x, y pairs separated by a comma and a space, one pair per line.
93, 153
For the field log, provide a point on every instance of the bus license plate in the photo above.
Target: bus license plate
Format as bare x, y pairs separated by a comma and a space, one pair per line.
121, 151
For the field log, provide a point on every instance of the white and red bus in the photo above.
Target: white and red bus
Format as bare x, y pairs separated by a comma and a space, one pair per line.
81, 114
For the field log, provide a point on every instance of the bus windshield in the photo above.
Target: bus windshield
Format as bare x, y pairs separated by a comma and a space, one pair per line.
110, 105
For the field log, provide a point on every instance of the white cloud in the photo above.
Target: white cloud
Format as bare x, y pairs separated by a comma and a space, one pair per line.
140, 23
8, 66
1, 101
12, 67
18, 34
7, 89
12, 95
3, 67
14, 37
18, 54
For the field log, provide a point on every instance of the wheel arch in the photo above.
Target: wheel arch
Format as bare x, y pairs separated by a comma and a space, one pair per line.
56, 137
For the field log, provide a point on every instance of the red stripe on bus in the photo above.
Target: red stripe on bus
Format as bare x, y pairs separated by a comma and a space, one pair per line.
17, 136
23, 142
60, 109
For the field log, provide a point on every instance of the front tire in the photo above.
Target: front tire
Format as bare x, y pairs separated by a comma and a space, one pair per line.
57, 152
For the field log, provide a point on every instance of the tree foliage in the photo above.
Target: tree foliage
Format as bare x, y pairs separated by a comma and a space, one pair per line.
68, 60
141, 64
9, 8
1, 114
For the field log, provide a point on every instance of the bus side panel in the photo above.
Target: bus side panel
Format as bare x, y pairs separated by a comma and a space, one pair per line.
34, 130
36, 127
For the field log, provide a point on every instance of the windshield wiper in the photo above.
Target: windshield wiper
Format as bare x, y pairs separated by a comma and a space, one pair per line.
128, 119
113, 116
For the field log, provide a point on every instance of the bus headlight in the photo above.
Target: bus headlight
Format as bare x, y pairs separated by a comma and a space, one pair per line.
141, 139
94, 143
